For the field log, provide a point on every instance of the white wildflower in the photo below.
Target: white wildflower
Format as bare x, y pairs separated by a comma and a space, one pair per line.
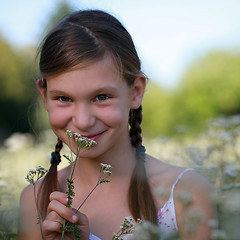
139, 221
145, 231
127, 223
31, 171
213, 223
69, 133
34, 175
105, 167
107, 172
185, 197
218, 235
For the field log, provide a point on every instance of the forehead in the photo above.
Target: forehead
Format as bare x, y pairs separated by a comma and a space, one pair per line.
107, 62
99, 74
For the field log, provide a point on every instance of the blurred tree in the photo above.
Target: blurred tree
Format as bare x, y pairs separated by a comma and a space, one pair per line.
14, 84
209, 88
39, 117
18, 72
157, 116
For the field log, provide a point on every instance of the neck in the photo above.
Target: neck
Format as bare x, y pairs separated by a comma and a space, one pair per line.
122, 161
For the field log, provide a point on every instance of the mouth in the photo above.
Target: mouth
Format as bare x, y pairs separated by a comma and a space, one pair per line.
93, 137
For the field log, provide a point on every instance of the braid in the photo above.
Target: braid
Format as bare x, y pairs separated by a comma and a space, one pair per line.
135, 120
141, 202
49, 183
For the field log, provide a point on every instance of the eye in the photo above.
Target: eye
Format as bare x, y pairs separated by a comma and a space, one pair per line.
64, 99
101, 97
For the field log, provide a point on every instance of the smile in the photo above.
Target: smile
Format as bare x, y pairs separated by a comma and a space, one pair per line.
93, 137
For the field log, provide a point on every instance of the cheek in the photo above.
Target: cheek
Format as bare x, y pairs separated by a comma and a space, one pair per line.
115, 116
57, 119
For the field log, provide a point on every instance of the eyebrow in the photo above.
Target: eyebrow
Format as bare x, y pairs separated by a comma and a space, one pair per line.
105, 89
94, 92
57, 92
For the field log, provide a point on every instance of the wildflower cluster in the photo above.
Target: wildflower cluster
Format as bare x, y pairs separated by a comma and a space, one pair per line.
146, 231
83, 144
127, 227
35, 174
105, 170
32, 177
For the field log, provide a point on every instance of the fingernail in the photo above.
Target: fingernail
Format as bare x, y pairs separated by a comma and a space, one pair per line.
74, 218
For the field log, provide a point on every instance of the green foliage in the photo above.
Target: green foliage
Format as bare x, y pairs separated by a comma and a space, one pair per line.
210, 87
16, 87
72, 227
157, 112
18, 91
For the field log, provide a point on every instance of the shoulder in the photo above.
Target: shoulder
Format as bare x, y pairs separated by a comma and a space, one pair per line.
27, 195
192, 196
28, 214
162, 174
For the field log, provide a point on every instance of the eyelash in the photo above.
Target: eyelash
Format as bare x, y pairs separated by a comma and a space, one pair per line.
101, 95
64, 99
97, 98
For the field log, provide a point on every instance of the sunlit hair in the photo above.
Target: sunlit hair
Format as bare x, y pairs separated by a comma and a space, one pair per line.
82, 38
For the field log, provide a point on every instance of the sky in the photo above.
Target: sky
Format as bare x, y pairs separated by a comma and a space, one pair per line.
168, 34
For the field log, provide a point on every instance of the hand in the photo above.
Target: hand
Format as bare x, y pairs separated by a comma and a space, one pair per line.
56, 213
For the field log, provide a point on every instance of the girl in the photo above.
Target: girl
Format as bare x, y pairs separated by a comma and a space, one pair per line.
92, 84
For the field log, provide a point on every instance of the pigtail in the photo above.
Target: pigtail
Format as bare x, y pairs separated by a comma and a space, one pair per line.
141, 202
50, 181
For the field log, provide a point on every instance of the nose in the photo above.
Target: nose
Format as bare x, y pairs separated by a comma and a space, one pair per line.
83, 117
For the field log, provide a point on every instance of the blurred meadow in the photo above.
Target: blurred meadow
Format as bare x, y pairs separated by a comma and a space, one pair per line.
193, 124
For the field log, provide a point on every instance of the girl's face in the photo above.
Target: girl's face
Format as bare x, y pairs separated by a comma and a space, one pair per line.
93, 101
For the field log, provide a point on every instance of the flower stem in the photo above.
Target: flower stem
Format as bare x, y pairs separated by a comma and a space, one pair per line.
39, 216
89, 193
64, 224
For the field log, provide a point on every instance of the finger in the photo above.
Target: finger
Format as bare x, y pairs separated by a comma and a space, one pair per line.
82, 224
53, 216
59, 196
49, 227
81, 218
62, 211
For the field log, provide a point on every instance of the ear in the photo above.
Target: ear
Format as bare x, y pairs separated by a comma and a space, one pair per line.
137, 90
43, 92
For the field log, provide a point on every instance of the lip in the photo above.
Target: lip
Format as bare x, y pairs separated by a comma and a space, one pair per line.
94, 137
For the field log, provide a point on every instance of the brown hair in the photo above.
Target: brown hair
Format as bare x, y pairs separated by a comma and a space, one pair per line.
83, 37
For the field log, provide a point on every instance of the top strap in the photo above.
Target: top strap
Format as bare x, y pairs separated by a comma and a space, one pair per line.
178, 179
93, 237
